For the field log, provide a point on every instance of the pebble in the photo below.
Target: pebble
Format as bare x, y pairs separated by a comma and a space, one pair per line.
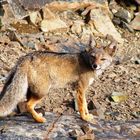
124, 15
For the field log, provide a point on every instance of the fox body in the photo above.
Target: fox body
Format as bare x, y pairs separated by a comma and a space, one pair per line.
36, 73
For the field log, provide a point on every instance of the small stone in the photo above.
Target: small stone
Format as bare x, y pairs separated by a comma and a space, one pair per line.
29, 44
6, 12
52, 24
86, 137
135, 24
77, 27
58, 110
118, 97
124, 15
74, 133
112, 75
116, 80
118, 128
127, 26
33, 17
86, 129
116, 21
47, 14
41, 38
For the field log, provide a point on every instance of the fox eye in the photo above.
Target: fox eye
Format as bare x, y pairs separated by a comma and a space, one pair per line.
103, 59
93, 57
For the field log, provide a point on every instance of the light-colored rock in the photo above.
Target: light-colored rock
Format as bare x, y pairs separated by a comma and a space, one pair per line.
77, 27
135, 24
33, 17
52, 24
119, 97
104, 25
86, 137
47, 14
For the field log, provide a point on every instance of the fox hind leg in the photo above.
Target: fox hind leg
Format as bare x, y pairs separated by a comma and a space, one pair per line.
31, 103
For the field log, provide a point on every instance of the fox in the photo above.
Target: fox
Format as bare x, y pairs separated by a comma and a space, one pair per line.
36, 73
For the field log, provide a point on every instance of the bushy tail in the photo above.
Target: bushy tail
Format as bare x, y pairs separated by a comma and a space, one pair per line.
13, 92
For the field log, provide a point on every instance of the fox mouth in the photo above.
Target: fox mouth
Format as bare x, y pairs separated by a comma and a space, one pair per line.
98, 69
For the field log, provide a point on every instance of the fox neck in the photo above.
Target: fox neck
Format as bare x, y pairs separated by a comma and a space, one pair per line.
85, 56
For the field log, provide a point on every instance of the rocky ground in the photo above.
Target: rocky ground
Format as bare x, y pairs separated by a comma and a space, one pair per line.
114, 97
67, 127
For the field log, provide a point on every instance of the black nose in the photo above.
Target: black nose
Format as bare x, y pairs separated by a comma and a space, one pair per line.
94, 66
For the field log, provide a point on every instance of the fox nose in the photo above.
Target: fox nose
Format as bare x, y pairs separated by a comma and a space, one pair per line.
94, 66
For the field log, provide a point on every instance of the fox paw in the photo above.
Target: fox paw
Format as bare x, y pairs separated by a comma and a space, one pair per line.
89, 118
39, 118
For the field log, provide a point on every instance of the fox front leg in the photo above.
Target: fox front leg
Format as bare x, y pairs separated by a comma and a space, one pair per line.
85, 105
81, 102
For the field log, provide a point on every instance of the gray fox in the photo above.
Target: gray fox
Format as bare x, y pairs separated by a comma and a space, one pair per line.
36, 73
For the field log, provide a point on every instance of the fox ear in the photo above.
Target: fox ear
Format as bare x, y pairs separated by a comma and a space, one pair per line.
111, 48
91, 43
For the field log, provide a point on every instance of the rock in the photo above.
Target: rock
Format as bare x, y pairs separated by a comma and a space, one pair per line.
21, 8
33, 17
22, 27
113, 6
58, 110
13, 36
52, 24
135, 23
124, 15
6, 14
86, 129
86, 137
127, 26
74, 133
104, 25
65, 127
116, 21
112, 75
123, 24
47, 14
7, 11
31, 45
17, 9
118, 97
77, 27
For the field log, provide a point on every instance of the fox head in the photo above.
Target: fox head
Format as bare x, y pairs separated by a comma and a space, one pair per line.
98, 58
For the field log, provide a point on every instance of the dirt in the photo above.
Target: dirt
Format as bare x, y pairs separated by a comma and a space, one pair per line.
122, 77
